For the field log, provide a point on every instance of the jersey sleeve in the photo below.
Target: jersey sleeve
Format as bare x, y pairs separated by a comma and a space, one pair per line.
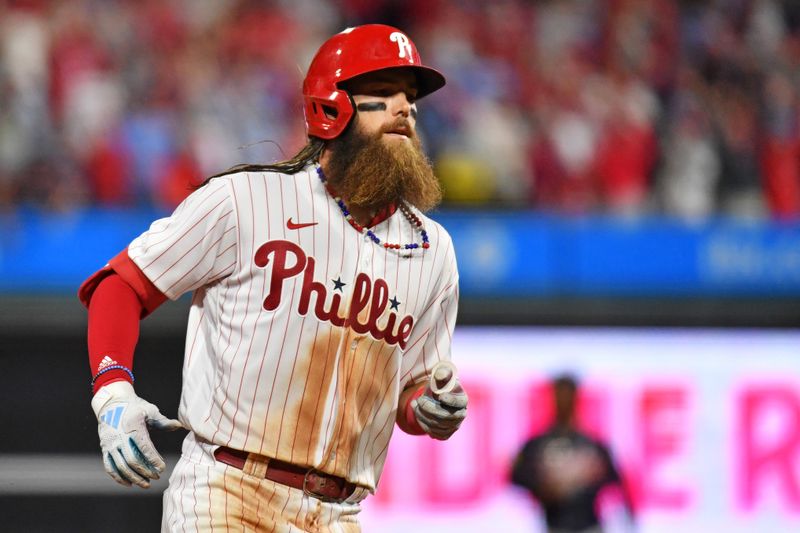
195, 246
432, 335
148, 294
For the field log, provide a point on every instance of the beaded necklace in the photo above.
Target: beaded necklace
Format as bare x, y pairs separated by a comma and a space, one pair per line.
410, 216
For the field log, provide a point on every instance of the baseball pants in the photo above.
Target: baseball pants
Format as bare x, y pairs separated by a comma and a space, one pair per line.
206, 495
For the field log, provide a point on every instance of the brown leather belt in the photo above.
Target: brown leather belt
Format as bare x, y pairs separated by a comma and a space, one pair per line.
311, 481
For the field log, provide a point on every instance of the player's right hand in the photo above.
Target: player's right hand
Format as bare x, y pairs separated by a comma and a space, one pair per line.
440, 414
128, 453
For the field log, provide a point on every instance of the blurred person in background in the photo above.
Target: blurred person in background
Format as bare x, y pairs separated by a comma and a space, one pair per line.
686, 181
565, 470
780, 159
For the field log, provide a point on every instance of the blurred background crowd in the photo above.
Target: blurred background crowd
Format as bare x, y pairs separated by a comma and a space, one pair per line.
686, 108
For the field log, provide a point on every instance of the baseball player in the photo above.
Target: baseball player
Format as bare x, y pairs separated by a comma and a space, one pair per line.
323, 300
565, 469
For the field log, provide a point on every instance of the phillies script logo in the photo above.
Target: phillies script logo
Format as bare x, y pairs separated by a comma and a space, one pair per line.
288, 260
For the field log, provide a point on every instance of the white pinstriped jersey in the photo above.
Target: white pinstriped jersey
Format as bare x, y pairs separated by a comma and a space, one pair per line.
302, 332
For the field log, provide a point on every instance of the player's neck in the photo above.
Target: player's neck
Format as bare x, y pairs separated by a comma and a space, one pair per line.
362, 215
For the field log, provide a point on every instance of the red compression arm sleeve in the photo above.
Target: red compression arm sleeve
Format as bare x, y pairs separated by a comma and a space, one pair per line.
114, 311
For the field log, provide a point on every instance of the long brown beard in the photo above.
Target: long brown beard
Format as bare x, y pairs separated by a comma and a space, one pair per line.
372, 175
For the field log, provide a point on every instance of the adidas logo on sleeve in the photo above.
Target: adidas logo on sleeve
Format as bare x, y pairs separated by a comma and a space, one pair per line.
105, 363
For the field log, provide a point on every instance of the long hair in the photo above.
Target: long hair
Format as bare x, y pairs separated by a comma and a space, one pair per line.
307, 154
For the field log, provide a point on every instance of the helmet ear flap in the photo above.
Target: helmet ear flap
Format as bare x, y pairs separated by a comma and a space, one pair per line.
328, 116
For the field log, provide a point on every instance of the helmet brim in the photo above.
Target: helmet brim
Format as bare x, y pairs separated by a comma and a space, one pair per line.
429, 80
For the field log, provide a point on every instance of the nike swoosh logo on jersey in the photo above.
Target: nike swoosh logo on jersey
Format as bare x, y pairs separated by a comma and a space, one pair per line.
293, 225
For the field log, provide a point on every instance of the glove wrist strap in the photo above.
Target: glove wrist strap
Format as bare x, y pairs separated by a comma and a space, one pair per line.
113, 391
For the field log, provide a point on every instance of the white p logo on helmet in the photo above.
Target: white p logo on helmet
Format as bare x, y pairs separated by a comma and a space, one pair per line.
402, 43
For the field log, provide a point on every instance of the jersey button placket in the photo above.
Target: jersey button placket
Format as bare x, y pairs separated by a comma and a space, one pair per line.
366, 252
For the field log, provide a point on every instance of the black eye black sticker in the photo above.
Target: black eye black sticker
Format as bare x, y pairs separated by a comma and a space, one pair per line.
371, 106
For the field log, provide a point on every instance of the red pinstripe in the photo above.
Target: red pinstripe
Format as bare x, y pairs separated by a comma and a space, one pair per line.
239, 389
184, 234
370, 250
299, 509
225, 494
437, 240
330, 338
258, 507
178, 211
285, 503
257, 388
187, 252
181, 484
190, 352
203, 276
194, 493
342, 359
227, 374
196, 502
316, 330
349, 373
226, 250
296, 352
421, 336
335, 384
241, 499
218, 274
269, 333
372, 408
389, 422
255, 323
238, 224
334, 381
299, 343
434, 300
219, 377
280, 354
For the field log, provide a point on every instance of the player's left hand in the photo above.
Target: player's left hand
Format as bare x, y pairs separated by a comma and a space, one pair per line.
440, 415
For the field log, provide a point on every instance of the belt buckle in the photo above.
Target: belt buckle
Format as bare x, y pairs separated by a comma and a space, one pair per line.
317, 481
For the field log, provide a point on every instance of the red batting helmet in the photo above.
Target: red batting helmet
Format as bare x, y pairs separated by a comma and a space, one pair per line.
348, 54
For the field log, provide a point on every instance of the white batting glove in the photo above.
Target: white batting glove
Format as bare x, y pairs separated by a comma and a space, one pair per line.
128, 453
440, 415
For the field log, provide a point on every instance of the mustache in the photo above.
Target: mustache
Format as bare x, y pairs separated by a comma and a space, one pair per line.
399, 125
